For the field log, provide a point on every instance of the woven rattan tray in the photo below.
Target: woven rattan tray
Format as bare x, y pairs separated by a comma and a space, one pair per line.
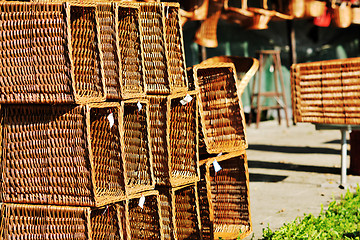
224, 197
105, 223
135, 141
145, 222
174, 139
62, 154
34, 61
20, 221
221, 112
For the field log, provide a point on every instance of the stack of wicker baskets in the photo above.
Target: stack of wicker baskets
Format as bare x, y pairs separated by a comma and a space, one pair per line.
100, 127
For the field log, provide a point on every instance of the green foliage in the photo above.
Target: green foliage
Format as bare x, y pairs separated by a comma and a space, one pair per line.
340, 221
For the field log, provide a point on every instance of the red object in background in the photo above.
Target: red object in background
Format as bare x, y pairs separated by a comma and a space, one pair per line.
355, 152
324, 20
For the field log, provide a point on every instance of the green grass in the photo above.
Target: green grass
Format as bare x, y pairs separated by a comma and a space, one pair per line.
340, 221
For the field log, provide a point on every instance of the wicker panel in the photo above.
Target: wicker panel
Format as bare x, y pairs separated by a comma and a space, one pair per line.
206, 222
135, 139
130, 46
123, 217
222, 116
186, 214
87, 69
46, 158
145, 223
112, 67
105, 224
182, 139
166, 212
191, 80
351, 88
105, 153
174, 48
20, 221
158, 126
228, 195
34, 65
152, 36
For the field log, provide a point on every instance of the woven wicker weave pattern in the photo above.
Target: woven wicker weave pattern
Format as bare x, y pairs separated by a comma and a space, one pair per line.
174, 48
166, 212
206, 222
34, 65
152, 35
85, 53
146, 222
44, 222
222, 117
44, 155
107, 21
105, 153
136, 146
105, 223
186, 215
130, 46
123, 217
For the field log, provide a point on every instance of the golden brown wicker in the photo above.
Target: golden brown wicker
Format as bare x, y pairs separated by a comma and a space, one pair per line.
145, 222
195, 10
154, 56
123, 216
166, 204
85, 55
135, 144
63, 155
342, 14
314, 8
34, 61
173, 129
227, 207
109, 46
20, 221
222, 116
245, 67
131, 49
239, 15
174, 48
326, 91
105, 223
355, 14
185, 213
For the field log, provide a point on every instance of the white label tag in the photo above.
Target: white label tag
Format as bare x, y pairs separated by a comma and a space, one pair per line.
139, 106
219, 154
186, 99
111, 119
217, 166
142, 201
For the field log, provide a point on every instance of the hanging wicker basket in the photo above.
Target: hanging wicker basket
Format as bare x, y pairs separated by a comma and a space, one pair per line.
314, 8
355, 14
297, 8
342, 17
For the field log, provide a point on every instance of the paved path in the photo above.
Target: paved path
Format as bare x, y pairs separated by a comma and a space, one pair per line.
292, 172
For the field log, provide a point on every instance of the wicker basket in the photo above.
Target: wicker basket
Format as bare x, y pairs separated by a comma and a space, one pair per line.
222, 116
85, 54
34, 61
63, 155
166, 204
135, 142
326, 91
20, 221
314, 8
146, 222
355, 14
131, 49
173, 130
174, 48
109, 46
342, 15
105, 223
154, 56
227, 206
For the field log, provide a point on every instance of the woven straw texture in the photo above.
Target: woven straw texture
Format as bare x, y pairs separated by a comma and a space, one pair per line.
186, 215
146, 222
206, 222
34, 61
87, 68
228, 197
19, 221
174, 48
123, 217
326, 91
130, 45
152, 36
107, 17
222, 116
173, 130
136, 150
166, 212
105, 157
65, 155
105, 223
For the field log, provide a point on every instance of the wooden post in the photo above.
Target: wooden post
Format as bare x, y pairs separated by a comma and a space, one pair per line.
292, 41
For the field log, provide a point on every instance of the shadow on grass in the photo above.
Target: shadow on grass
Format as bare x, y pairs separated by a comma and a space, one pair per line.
352, 235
